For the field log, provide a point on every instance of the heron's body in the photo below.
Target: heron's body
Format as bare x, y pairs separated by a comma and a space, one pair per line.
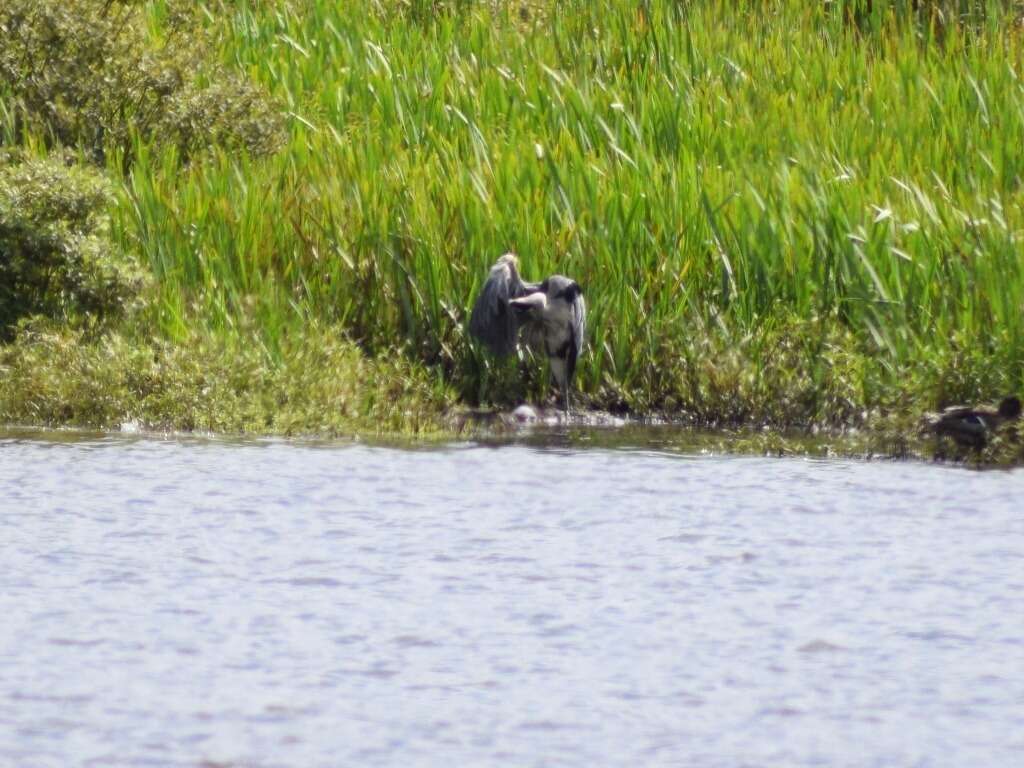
970, 426
551, 314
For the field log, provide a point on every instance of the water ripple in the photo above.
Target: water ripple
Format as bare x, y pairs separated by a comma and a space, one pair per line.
215, 603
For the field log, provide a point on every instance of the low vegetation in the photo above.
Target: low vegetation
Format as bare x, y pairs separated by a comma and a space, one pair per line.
781, 213
319, 383
101, 75
57, 259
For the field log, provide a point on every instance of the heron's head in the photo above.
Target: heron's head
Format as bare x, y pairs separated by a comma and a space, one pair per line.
1010, 407
559, 287
571, 291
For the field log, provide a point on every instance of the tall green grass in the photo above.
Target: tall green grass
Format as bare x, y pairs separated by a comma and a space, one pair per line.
777, 210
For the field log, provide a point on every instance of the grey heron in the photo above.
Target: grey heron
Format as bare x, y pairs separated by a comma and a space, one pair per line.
550, 314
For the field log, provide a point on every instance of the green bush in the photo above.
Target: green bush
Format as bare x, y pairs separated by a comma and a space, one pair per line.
322, 384
90, 74
55, 255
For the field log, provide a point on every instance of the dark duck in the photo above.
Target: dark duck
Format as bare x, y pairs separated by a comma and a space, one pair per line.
970, 427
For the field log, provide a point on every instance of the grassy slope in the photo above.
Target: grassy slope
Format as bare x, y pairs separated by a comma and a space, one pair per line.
775, 216
725, 184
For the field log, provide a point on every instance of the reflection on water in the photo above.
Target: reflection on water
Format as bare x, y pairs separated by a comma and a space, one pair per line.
191, 602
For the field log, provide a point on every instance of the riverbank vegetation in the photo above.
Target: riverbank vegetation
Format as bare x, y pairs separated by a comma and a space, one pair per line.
781, 213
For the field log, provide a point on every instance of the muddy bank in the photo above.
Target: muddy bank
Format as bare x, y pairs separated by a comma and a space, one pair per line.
889, 437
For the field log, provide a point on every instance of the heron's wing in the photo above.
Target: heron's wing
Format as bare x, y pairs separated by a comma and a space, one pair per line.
579, 322
493, 321
532, 331
578, 326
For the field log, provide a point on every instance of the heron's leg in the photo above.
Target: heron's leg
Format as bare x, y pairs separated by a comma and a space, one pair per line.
560, 371
566, 384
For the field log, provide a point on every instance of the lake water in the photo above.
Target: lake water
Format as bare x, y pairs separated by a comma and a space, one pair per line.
187, 602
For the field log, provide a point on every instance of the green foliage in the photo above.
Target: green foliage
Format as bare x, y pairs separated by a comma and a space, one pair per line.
52, 375
929, 14
775, 215
88, 73
780, 212
56, 258
431, 10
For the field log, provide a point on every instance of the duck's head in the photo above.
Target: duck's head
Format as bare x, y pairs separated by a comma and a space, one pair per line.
1010, 407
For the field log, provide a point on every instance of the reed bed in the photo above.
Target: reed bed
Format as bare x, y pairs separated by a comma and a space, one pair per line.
782, 212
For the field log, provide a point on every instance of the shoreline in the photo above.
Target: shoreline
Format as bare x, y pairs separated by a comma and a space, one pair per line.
325, 387
598, 430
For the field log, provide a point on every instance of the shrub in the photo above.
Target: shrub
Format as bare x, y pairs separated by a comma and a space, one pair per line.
55, 256
88, 74
322, 384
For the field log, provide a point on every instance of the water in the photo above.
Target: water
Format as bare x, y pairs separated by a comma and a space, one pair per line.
204, 603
